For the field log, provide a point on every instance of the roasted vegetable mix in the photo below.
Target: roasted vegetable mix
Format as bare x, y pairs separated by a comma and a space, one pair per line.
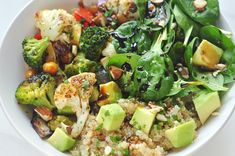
126, 77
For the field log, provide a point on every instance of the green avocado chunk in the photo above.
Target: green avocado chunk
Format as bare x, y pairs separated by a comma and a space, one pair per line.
207, 55
61, 141
110, 93
143, 119
111, 117
182, 135
206, 104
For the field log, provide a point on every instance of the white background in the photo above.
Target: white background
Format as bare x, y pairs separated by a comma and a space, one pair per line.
12, 144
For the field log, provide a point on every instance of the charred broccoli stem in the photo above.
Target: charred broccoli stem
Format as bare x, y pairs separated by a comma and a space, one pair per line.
57, 120
34, 51
93, 41
37, 90
79, 65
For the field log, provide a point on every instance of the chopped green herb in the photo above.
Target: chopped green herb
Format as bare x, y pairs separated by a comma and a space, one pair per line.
125, 152
135, 123
115, 139
175, 117
97, 143
112, 152
159, 127
66, 81
85, 85
83, 20
107, 113
108, 13
99, 128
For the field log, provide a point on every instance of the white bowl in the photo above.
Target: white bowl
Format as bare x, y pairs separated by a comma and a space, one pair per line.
12, 71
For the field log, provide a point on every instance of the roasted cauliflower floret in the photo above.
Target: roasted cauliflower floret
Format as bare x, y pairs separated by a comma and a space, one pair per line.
55, 24
66, 95
75, 93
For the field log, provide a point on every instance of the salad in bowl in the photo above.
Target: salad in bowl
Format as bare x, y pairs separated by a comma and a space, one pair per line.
126, 77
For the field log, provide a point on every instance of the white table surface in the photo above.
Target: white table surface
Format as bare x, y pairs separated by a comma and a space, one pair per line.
12, 144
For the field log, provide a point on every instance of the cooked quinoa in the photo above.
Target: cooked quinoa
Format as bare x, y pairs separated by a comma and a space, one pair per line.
94, 141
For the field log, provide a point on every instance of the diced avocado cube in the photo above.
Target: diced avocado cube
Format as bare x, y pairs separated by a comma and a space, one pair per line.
111, 117
206, 104
182, 135
207, 55
143, 119
61, 141
110, 93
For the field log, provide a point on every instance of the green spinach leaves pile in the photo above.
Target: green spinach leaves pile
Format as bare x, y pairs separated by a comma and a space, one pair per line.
164, 40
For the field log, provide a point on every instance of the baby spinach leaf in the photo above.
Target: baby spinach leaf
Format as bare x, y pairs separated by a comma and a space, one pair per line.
127, 28
214, 83
153, 78
229, 34
119, 60
187, 35
209, 16
181, 85
142, 8
128, 63
188, 55
170, 35
176, 53
166, 39
185, 22
177, 87
130, 38
187, 91
215, 36
229, 58
154, 73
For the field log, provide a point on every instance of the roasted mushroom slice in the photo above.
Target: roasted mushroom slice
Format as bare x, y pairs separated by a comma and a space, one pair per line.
40, 127
45, 113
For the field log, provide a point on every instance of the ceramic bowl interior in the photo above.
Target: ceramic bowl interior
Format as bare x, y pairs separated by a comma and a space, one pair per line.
12, 73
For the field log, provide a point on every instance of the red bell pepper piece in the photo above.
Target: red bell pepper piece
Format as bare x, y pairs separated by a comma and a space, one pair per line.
83, 13
38, 36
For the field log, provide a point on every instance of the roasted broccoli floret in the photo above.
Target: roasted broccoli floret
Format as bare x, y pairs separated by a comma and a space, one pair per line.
79, 65
93, 41
34, 51
37, 90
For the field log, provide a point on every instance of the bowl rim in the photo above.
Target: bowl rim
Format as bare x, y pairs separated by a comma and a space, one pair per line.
28, 140
9, 118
